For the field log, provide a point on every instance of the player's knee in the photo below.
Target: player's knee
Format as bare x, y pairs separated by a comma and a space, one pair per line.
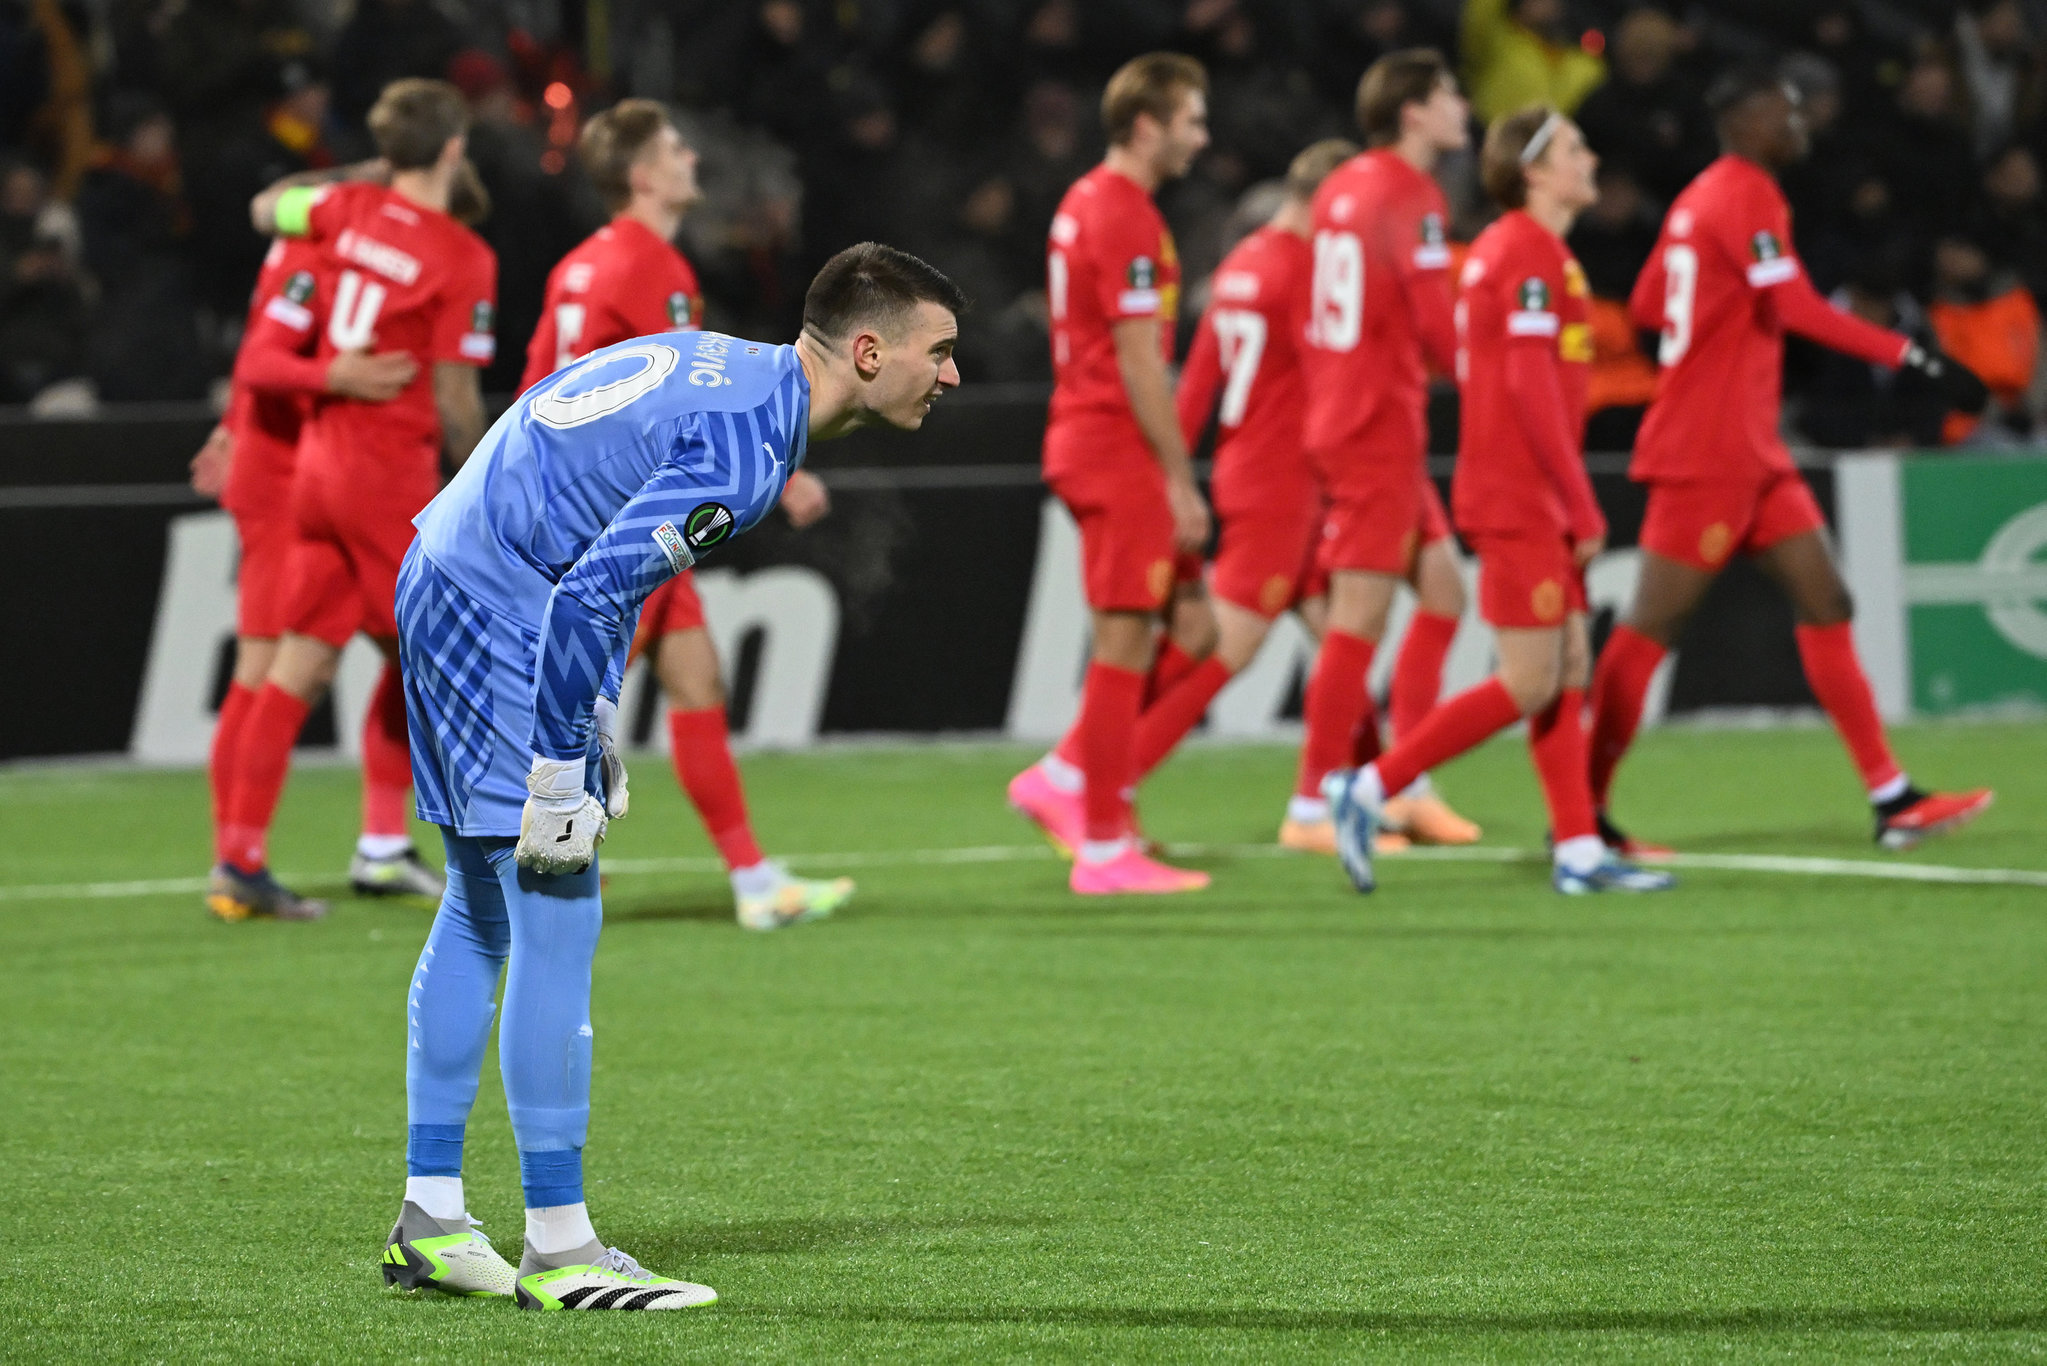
1533, 686
1194, 628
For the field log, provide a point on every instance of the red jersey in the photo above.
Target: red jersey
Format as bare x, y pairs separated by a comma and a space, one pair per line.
396, 276
266, 425
1723, 285
621, 282
1249, 348
1524, 365
1110, 258
1379, 309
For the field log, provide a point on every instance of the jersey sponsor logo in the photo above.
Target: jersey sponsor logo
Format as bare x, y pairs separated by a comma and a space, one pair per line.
681, 309
673, 548
381, 257
1433, 252
709, 524
299, 287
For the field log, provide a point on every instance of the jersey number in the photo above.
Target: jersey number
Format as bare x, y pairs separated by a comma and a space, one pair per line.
357, 302
1240, 337
567, 404
568, 331
1680, 295
1338, 298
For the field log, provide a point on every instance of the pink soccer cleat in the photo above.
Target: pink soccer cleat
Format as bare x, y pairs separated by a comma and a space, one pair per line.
1130, 871
1058, 814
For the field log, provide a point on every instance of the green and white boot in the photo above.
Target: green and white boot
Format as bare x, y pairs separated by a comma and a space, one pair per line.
455, 1258
594, 1276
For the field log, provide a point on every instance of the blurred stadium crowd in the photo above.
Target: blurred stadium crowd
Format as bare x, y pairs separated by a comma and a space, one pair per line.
132, 133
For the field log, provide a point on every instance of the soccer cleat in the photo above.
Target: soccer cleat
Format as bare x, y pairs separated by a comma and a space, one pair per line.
1905, 822
454, 1258
1627, 846
1427, 819
233, 895
1132, 872
1612, 875
1308, 837
597, 1277
1356, 826
793, 901
402, 874
1058, 814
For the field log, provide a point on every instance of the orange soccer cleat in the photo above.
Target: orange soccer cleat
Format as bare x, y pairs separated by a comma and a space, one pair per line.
1058, 814
1131, 872
1319, 837
1428, 819
1916, 815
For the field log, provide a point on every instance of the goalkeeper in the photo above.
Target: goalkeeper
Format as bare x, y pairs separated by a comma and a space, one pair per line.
516, 606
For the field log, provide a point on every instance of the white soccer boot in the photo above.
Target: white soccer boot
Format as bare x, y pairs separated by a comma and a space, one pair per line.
453, 1257
594, 1276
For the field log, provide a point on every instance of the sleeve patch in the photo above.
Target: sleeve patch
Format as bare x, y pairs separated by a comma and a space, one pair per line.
681, 309
1772, 272
295, 316
1138, 301
1529, 323
673, 547
299, 287
1433, 250
1764, 246
1533, 294
480, 346
1142, 274
482, 316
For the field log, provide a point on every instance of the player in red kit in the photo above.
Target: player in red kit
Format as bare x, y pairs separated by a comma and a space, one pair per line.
1244, 371
399, 271
256, 447
1379, 317
628, 280
1523, 500
1724, 285
1114, 455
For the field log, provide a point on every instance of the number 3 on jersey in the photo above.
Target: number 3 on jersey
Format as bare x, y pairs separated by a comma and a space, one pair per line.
1680, 297
353, 325
1337, 315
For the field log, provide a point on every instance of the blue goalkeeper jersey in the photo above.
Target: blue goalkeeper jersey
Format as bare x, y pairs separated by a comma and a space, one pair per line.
603, 482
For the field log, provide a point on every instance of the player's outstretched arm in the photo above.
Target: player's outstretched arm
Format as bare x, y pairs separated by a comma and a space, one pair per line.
280, 209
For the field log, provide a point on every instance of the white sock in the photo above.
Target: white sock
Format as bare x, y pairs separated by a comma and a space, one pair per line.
1368, 789
1890, 790
382, 846
1420, 787
759, 880
439, 1196
1062, 775
1307, 810
558, 1228
1579, 854
1102, 851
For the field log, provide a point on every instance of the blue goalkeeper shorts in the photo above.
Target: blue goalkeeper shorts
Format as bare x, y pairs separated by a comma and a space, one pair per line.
468, 676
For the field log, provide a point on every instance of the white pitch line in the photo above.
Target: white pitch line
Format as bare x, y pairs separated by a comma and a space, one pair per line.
1882, 870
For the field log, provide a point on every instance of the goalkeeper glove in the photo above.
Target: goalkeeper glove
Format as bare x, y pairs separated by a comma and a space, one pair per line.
1956, 383
562, 825
613, 767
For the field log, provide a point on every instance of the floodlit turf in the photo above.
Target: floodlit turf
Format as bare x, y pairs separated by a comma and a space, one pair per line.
1765, 1116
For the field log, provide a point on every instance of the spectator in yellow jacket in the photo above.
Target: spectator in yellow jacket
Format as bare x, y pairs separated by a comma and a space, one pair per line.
1518, 53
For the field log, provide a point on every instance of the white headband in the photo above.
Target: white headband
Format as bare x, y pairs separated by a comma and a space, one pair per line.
1541, 139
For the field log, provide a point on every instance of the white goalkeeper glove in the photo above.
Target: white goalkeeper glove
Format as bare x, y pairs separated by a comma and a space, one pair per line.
562, 825
615, 796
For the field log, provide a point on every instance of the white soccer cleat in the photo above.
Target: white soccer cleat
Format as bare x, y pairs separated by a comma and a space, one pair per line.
793, 900
455, 1258
603, 1278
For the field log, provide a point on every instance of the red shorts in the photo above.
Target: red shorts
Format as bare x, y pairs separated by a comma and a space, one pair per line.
1527, 582
1265, 560
674, 606
1703, 522
1126, 536
263, 577
1380, 516
344, 565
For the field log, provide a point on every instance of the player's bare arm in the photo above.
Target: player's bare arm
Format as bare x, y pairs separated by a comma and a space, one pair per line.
263, 208
371, 378
1150, 390
210, 465
458, 397
805, 499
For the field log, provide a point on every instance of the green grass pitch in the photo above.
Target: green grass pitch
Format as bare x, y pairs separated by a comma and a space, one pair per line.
1763, 1117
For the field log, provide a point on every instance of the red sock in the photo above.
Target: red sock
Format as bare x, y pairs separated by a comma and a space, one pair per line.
1837, 680
1618, 686
1337, 704
1168, 666
702, 751
1168, 719
1106, 734
386, 758
1418, 672
1366, 743
227, 744
1556, 739
1458, 724
268, 733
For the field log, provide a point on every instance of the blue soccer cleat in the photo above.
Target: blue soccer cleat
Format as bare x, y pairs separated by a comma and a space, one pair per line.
1612, 875
1356, 825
